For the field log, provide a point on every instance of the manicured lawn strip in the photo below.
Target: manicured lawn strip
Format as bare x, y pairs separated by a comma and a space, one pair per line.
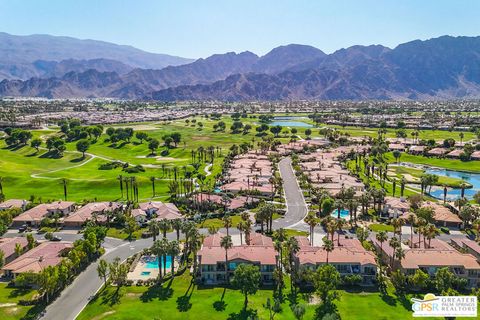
13, 295
380, 227
293, 233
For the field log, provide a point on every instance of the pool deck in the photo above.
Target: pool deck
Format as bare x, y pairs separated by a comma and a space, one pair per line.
141, 266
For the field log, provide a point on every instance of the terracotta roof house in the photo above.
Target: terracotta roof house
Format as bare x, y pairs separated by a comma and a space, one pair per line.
91, 211
34, 216
13, 203
395, 207
35, 260
211, 258
349, 258
467, 245
397, 146
476, 155
416, 149
7, 246
430, 259
140, 216
232, 203
455, 153
437, 152
443, 216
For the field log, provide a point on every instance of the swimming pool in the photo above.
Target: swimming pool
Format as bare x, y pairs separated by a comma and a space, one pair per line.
145, 273
344, 214
153, 263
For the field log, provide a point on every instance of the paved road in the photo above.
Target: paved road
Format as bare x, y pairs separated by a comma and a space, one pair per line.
76, 296
296, 205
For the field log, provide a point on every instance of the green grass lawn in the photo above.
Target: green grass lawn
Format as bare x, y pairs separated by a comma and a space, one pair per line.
377, 227
121, 234
182, 300
9, 307
26, 172
179, 300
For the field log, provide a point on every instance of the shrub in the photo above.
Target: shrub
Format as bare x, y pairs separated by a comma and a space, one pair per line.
49, 236
135, 169
352, 280
445, 230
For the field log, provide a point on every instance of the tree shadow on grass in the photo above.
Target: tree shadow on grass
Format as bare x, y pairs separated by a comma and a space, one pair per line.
220, 305
183, 302
326, 309
50, 155
34, 312
157, 292
388, 299
110, 297
79, 159
33, 154
243, 315
405, 302
19, 292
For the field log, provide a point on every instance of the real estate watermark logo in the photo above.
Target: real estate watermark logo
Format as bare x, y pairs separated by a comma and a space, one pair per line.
445, 306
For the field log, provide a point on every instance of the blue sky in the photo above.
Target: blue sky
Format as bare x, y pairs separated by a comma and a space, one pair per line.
199, 28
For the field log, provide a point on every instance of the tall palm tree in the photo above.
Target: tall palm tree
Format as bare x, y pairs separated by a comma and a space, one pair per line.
153, 228
431, 232
226, 243
412, 220
399, 254
241, 228
340, 223
227, 222
328, 247
158, 250
173, 251
177, 225
394, 243
381, 237
64, 183
331, 227
164, 226
292, 247
152, 179
247, 230
312, 221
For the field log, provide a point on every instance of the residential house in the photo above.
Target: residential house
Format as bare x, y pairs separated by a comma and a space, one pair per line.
350, 258
95, 211
35, 260
34, 216
211, 258
7, 246
13, 203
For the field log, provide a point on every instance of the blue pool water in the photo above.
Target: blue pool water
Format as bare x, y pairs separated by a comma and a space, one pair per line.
472, 178
344, 213
154, 263
217, 190
145, 273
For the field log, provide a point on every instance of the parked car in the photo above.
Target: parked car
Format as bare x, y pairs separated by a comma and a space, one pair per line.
56, 238
23, 228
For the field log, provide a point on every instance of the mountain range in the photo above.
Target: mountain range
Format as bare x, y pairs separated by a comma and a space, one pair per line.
440, 68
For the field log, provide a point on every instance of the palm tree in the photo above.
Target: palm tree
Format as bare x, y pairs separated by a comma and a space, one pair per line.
158, 249
339, 225
154, 228
339, 206
394, 243
331, 227
381, 237
164, 226
173, 251
312, 221
399, 254
292, 248
227, 222
431, 232
412, 220
177, 226
248, 230
64, 182
226, 243
152, 179
328, 246
397, 226
241, 228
